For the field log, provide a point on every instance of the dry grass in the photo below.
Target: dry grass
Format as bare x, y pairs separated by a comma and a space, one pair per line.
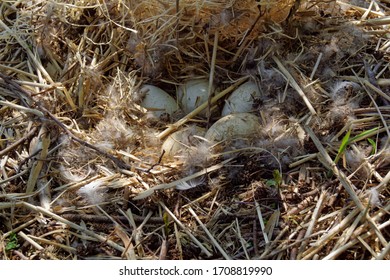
82, 171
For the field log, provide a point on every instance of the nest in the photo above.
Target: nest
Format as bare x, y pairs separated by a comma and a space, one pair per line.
83, 175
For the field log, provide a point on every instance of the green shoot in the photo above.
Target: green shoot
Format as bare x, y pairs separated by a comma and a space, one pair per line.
12, 242
276, 181
166, 223
348, 140
343, 146
373, 145
363, 135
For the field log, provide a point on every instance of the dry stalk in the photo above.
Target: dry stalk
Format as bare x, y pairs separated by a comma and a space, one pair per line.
27, 49
212, 239
150, 191
273, 244
334, 254
344, 238
313, 222
19, 228
42, 144
348, 186
73, 225
178, 242
22, 108
212, 74
369, 249
66, 57
272, 224
244, 244
284, 247
56, 244
294, 84
320, 243
384, 253
261, 220
48, 114
180, 224
18, 142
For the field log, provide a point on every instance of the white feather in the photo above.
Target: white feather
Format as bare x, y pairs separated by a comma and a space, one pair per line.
93, 192
190, 184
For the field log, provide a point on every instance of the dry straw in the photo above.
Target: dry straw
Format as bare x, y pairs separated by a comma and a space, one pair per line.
82, 173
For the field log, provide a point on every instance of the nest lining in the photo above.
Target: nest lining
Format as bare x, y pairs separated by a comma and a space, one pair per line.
76, 142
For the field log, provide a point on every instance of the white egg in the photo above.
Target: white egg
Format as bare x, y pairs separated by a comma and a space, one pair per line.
192, 94
157, 101
242, 99
234, 126
181, 141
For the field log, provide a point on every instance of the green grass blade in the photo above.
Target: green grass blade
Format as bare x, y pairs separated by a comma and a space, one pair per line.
373, 145
343, 146
364, 135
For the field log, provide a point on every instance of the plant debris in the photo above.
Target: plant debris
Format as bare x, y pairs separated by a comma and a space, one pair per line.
83, 170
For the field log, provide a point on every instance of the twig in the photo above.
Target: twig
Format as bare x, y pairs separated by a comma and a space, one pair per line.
260, 216
18, 142
197, 242
294, 84
22, 108
242, 240
211, 78
185, 179
316, 66
331, 165
349, 232
44, 142
286, 247
105, 220
385, 252
213, 240
320, 243
73, 225
351, 243
43, 240
29, 240
274, 243
313, 221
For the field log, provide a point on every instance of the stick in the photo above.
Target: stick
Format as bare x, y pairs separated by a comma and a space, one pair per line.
294, 84
197, 242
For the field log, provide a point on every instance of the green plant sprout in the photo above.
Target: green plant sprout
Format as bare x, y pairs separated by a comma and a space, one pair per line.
348, 140
12, 242
343, 146
276, 181
373, 145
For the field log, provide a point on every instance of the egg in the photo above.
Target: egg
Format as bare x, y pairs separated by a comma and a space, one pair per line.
157, 102
242, 99
233, 126
193, 93
181, 141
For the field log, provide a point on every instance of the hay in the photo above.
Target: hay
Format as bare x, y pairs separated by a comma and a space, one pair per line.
82, 171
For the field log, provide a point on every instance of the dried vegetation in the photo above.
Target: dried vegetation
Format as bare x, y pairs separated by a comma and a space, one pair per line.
83, 175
